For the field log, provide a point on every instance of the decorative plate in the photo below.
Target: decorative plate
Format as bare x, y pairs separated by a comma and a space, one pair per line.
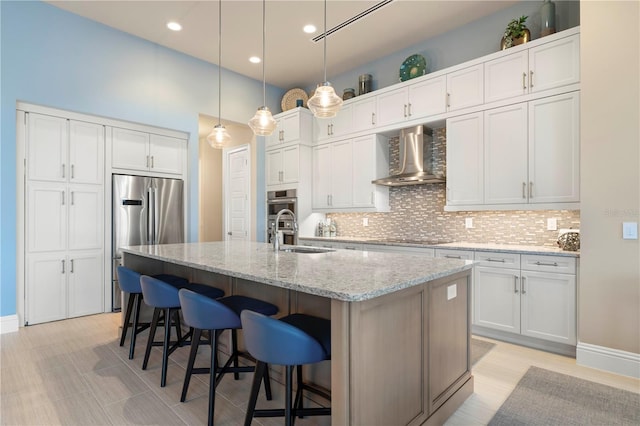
289, 99
413, 66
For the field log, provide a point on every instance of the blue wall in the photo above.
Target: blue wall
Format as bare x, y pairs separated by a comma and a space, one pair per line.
53, 58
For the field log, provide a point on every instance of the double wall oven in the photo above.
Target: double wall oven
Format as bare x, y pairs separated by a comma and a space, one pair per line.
276, 201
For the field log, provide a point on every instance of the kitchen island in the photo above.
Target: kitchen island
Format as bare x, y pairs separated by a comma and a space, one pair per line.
400, 323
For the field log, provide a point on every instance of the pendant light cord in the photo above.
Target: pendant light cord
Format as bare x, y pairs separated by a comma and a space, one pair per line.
325, 41
264, 55
219, 60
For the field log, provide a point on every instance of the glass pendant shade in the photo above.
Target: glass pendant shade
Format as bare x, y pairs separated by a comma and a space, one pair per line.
325, 103
263, 123
219, 137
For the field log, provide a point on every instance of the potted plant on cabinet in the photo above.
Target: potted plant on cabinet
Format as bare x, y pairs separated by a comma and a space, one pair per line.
516, 33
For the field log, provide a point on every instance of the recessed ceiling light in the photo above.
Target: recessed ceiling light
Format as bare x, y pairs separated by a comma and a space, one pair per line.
254, 60
174, 26
309, 29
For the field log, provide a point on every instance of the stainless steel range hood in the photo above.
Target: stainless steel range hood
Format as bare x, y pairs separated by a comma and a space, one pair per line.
416, 159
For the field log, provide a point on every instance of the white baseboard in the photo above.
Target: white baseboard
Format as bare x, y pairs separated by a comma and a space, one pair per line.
8, 324
613, 360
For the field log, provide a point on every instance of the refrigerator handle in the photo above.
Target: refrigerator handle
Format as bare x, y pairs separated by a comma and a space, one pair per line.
150, 216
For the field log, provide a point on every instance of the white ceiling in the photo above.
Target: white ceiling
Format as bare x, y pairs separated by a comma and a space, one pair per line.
293, 60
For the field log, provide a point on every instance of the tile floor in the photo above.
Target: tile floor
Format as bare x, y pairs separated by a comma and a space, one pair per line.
73, 372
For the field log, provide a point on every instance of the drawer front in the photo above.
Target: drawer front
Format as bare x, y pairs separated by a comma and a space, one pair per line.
498, 259
429, 252
455, 254
559, 264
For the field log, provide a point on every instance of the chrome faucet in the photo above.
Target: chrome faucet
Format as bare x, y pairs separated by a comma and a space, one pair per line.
276, 240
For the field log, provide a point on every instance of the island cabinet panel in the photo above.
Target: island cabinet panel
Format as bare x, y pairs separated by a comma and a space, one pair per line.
387, 336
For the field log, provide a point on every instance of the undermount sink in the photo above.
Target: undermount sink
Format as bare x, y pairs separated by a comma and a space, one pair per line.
305, 249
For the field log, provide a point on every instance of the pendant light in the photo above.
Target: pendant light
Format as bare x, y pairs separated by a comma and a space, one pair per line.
263, 123
325, 103
219, 137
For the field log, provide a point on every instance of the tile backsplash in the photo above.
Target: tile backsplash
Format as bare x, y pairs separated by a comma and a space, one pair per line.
417, 213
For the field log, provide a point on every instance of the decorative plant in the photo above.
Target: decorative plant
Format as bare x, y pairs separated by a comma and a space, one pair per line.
515, 29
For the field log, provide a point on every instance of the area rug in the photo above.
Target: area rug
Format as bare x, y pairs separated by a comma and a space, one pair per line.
479, 348
543, 397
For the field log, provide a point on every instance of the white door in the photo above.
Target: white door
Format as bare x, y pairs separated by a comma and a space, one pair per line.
496, 298
86, 213
505, 155
274, 167
341, 124
321, 176
465, 173
86, 152
166, 154
130, 149
364, 155
364, 114
237, 192
290, 164
85, 283
506, 77
342, 174
46, 291
46, 216
47, 148
554, 64
428, 97
465, 88
392, 107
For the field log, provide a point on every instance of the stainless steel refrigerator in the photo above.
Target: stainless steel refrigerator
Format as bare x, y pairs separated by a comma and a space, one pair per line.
146, 210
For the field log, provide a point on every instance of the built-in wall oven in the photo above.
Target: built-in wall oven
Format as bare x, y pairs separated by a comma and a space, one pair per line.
276, 201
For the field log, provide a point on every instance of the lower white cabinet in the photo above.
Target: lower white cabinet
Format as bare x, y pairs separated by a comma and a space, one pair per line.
63, 285
533, 296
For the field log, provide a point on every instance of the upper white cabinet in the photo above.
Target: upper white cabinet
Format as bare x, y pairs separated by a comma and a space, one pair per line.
142, 151
465, 88
518, 156
421, 99
343, 171
335, 127
65, 150
283, 165
465, 162
364, 114
534, 70
293, 126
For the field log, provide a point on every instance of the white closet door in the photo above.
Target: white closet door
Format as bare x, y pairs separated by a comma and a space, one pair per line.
46, 216
86, 152
86, 214
46, 287
85, 284
47, 148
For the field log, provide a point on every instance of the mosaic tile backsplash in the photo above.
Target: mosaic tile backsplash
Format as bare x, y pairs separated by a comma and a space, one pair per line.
417, 213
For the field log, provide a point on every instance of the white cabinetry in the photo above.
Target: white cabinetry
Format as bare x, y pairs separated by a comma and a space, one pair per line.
418, 100
283, 165
335, 127
343, 171
142, 151
364, 114
292, 127
534, 70
465, 164
465, 88
64, 218
454, 254
529, 295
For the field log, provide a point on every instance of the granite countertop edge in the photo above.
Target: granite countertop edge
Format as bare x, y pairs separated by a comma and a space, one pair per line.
460, 245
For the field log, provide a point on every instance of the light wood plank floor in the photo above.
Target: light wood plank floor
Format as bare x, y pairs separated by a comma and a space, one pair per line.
73, 372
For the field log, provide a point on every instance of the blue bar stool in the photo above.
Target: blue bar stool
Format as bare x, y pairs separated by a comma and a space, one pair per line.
163, 297
294, 340
203, 313
130, 283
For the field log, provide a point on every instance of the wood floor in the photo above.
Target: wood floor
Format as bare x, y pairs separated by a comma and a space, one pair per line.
73, 372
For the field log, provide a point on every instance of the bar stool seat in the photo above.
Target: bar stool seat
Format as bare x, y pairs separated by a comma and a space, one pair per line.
129, 281
203, 313
292, 341
163, 297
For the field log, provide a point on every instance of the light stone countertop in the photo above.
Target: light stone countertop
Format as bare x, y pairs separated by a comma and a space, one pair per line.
345, 275
510, 248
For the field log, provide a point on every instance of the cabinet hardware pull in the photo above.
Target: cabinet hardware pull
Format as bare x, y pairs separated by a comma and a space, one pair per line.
152, 161
147, 161
451, 256
63, 171
63, 266
490, 259
524, 77
72, 203
332, 130
448, 100
331, 199
350, 248
328, 129
547, 264
71, 266
531, 78
63, 198
524, 290
409, 109
373, 118
405, 110
530, 189
524, 190
72, 172
515, 284
328, 202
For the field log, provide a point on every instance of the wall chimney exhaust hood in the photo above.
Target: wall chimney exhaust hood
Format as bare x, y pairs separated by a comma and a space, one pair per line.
416, 159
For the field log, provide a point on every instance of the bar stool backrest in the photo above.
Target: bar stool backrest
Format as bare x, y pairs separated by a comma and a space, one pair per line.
203, 312
158, 293
129, 280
